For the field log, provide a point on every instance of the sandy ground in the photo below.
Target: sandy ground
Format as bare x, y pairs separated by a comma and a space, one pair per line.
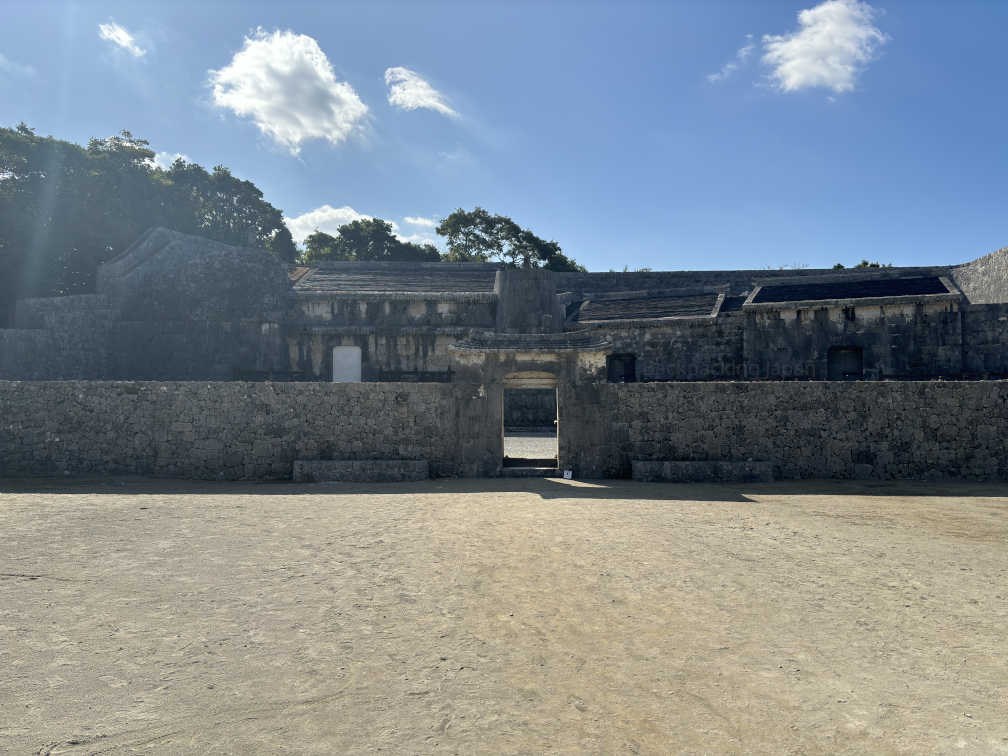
530, 445
502, 616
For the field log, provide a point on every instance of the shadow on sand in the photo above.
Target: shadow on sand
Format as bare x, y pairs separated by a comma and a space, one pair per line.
546, 488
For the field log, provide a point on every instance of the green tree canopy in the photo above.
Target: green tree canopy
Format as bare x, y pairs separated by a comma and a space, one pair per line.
65, 209
477, 236
365, 239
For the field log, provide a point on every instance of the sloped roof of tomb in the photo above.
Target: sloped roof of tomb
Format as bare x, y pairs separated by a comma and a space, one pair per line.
296, 272
584, 285
646, 307
419, 278
859, 289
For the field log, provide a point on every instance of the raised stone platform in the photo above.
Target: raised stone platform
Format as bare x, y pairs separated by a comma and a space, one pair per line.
712, 471
360, 470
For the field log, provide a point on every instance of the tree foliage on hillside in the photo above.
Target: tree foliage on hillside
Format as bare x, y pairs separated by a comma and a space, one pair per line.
65, 209
365, 239
477, 236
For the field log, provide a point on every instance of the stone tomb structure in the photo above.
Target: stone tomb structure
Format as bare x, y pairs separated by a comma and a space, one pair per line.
508, 348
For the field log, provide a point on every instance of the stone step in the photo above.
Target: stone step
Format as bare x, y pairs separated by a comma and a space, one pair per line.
531, 472
360, 470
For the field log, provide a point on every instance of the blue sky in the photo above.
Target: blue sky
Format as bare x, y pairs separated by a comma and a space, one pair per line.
669, 135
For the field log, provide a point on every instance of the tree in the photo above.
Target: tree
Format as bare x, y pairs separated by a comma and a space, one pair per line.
864, 264
65, 209
366, 239
872, 264
320, 246
225, 208
476, 235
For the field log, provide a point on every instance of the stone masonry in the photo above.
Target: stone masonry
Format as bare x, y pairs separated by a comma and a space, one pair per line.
238, 430
816, 429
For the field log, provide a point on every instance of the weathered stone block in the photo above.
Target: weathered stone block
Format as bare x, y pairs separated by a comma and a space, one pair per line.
360, 470
707, 471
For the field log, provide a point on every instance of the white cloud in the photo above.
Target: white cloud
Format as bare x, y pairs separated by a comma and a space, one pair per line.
164, 160
731, 66
13, 67
286, 85
419, 239
833, 44
117, 35
328, 219
407, 90
415, 221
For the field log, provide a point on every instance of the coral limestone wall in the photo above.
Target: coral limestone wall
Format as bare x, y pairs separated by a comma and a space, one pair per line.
239, 430
821, 429
877, 429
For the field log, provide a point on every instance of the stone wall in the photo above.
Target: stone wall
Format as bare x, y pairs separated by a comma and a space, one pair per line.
239, 430
57, 338
167, 275
681, 349
396, 350
897, 340
985, 336
392, 310
890, 429
984, 280
171, 307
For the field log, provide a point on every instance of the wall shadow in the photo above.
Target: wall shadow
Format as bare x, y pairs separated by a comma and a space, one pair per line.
545, 488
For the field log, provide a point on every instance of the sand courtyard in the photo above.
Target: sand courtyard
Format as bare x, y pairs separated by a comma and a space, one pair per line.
502, 616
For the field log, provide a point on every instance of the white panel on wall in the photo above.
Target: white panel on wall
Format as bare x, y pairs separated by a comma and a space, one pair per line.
346, 364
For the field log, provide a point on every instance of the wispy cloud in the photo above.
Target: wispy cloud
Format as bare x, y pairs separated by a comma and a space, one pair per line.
415, 221
833, 44
9, 66
164, 160
118, 35
409, 91
285, 84
741, 55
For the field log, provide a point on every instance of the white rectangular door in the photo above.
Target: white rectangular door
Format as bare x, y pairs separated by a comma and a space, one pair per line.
346, 364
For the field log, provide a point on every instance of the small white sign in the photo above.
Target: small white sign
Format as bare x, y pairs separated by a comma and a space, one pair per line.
568, 474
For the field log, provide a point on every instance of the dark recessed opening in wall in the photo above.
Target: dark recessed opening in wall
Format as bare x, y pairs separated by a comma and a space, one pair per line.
529, 426
845, 363
621, 368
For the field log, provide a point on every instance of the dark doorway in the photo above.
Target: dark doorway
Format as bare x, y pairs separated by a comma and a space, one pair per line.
530, 427
621, 368
845, 363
